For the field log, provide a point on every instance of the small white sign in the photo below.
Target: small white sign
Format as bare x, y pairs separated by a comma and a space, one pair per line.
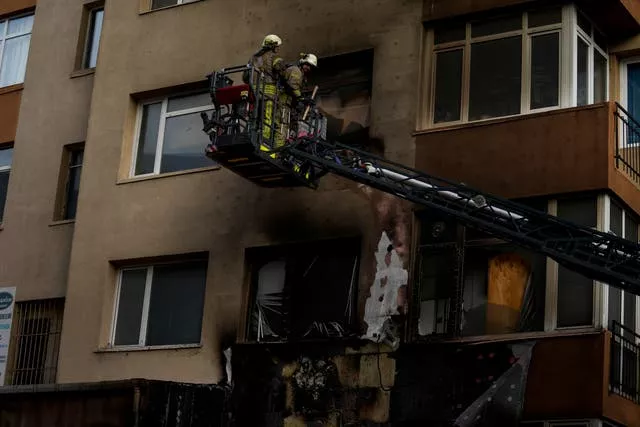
7, 302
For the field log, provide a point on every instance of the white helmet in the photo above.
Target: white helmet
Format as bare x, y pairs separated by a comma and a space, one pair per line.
271, 41
309, 58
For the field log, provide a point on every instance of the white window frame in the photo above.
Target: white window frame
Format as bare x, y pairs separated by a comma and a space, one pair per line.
605, 309
599, 289
568, 31
4, 37
164, 115
592, 46
145, 309
179, 2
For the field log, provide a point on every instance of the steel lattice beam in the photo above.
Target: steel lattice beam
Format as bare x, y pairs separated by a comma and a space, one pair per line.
597, 255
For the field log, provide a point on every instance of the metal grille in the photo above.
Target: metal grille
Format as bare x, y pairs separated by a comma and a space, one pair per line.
627, 143
35, 342
625, 361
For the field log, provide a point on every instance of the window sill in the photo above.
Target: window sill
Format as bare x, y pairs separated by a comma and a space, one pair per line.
146, 348
146, 11
82, 73
62, 222
166, 175
12, 88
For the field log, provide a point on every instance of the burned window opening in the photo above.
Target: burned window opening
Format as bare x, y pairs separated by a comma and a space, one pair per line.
344, 95
304, 291
472, 284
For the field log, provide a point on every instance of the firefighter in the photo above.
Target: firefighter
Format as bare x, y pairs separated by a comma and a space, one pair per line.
292, 101
267, 61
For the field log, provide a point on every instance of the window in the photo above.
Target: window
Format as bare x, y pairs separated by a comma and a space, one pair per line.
157, 4
592, 63
304, 291
35, 342
72, 158
160, 305
6, 157
478, 70
92, 42
622, 306
575, 291
15, 37
468, 271
514, 64
170, 136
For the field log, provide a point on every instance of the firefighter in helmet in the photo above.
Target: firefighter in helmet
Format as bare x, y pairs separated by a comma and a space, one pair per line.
271, 65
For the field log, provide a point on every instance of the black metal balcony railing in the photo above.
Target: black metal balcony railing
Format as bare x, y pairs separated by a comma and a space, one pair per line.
627, 133
625, 362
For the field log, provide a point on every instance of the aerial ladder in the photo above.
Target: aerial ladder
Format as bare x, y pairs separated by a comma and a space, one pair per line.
238, 142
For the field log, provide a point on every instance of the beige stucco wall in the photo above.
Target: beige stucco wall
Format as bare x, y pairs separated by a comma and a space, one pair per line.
53, 112
214, 210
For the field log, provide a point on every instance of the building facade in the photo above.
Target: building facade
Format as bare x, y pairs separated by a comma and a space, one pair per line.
135, 256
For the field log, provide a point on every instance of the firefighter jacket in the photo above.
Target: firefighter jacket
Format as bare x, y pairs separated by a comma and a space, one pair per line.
269, 63
294, 79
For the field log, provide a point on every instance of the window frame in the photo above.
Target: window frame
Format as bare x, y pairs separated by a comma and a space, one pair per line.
178, 3
164, 115
607, 223
258, 257
589, 39
88, 36
4, 37
61, 213
142, 336
2, 170
568, 31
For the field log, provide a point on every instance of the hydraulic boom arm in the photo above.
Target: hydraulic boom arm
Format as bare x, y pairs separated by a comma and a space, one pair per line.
242, 142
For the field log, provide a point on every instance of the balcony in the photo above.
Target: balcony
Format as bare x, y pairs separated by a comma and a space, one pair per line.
555, 152
581, 376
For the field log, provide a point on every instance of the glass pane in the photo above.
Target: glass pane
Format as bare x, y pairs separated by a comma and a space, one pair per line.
496, 26
615, 305
188, 101
130, 304
633, 90
448, 86
76, 157
4, 186
615, 221
496, 69
183, 142
575, 292
599, 77
20, 25
148, 141
155, 4
14, 60
177, 300
584, 24
73, 189
3, 25
629, 314
450, 33
583, 64
600, 40
94, 38
545, 70
6, 156
630, 229
538, 18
